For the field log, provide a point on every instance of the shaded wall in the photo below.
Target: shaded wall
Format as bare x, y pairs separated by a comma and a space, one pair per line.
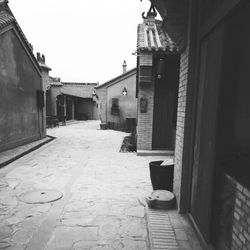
20, 119
87, 109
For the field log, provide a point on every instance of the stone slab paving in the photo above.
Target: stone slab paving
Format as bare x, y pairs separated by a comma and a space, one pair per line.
103, 195
103, 189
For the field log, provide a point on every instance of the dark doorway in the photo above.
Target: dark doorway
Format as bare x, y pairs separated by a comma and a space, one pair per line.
165, 102
69, 104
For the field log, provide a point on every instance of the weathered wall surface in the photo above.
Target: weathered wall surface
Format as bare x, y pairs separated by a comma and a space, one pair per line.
127, 104
102, 104
20, 119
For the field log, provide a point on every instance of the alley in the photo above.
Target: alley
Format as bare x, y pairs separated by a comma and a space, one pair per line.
103, 193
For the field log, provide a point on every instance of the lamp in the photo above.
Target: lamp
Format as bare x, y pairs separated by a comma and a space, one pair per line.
94, 94
160, 68
124, 92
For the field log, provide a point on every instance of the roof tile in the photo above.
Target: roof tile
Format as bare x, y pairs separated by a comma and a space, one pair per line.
151, 37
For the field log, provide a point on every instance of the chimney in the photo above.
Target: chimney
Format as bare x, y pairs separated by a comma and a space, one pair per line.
124, 67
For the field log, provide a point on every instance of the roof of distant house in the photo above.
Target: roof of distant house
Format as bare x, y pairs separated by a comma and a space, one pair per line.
81, 83
76, 89
118, 78
151, 37
55, 81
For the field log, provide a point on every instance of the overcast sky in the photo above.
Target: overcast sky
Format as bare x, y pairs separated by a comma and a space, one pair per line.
84, 41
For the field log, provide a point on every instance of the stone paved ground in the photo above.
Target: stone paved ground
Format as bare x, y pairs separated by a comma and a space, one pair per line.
102, 191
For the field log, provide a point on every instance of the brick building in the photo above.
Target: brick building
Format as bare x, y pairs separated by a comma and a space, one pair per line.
117, 105
157, 85
21, 86
71, 100
211, 178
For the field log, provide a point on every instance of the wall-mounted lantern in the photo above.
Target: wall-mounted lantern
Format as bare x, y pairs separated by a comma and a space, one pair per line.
94, 94
124, 92
160, 68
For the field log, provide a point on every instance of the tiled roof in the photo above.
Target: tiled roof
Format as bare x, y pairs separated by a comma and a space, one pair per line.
81, 83
5, 19
77, 89
151, 37
55, 81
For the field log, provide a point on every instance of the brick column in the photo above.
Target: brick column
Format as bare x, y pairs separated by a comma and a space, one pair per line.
146, 91
145, 120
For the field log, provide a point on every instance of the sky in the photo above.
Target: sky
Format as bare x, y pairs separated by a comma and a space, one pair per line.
83, 41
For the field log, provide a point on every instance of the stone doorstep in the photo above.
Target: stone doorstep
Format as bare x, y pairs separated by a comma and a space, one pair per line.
8, 156
155, 152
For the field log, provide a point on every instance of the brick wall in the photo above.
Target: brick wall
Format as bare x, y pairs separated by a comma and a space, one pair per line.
181, 115
145, 120
234, 216
241, 222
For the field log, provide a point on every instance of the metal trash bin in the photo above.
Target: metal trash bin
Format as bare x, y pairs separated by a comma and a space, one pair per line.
161, 176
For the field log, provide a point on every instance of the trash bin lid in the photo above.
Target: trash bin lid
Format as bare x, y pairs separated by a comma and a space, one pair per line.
167, 162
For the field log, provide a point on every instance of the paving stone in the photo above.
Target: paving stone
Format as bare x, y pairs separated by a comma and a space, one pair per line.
4, 244
22, 236
134, 244
13, 220
5, 231
77, 219
84, 245
65, 237
181, 234
136, 211
134, 228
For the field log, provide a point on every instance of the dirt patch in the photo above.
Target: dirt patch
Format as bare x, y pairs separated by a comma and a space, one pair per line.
129, 143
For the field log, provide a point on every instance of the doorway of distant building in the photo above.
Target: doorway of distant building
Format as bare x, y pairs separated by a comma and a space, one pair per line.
166, 79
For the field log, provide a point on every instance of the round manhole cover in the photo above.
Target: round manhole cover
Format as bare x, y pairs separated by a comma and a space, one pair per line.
40, 196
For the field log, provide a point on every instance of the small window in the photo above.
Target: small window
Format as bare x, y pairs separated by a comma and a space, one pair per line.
115, 107
115, 103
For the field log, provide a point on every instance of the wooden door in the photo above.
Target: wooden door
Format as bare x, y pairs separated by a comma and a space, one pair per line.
164, 115
206, 124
